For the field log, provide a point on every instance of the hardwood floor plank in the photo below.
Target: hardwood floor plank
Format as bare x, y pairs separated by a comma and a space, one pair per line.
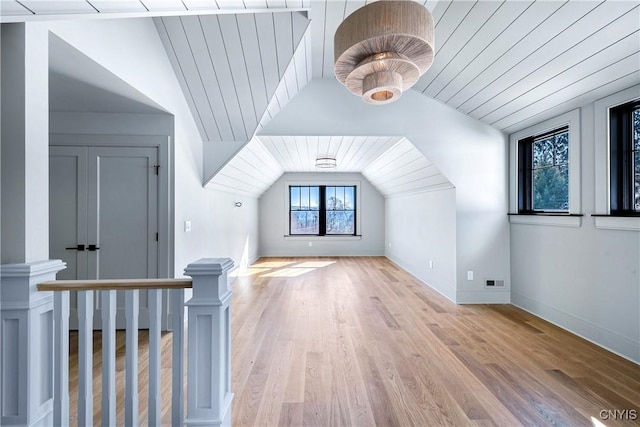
442, 335
346, 364
580, 398
273, 396
294, 391
291, 414
546, 404
511, 400
384, 313
316, 393
610, 394
383, 412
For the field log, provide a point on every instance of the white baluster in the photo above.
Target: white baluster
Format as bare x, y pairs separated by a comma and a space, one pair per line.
155, 302
131, 364
85, 358
61, 357
177, 372
108, 357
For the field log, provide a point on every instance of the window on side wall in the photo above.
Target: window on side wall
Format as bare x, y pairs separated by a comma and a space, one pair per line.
624, 137
322, 210
543, 172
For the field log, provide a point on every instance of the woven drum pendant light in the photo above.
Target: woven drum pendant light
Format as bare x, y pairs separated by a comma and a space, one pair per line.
383, 48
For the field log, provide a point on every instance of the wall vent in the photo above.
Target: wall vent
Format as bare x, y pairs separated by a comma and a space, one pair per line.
492, 283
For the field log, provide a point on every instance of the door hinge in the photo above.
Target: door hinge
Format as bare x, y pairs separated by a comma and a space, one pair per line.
157, 168
157, 237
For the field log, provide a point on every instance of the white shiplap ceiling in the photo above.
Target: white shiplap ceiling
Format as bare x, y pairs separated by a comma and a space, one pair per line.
229, 66
392, 164
251, 172
402, 169
506, 63
296, 76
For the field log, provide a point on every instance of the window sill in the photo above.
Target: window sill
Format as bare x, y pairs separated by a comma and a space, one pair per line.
548, 219
617, 222
314, 238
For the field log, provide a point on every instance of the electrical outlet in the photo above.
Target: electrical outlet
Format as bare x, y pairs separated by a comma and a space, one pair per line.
310, 244
187, 226
470, 275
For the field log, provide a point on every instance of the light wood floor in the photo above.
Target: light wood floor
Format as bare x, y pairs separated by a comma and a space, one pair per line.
358, 341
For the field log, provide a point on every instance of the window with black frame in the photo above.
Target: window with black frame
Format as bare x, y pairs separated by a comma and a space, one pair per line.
543, 172
304, 210
340, 205
624, 128
322, 210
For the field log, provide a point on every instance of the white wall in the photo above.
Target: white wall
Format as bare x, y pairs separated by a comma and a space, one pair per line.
421, 228
233, 231
274, 220
132, 50
469, 153
585, 279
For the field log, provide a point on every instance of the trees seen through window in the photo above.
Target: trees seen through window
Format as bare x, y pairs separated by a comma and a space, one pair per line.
543, 172
322, 210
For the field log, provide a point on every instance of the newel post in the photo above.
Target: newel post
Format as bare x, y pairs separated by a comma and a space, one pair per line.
209, 347
26, 344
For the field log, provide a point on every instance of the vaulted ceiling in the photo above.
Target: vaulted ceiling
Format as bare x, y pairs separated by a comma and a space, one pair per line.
507, 63
504, 62
230, 67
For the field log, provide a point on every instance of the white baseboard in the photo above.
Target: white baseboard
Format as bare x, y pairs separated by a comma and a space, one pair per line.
309, 254
488, 296
603, 337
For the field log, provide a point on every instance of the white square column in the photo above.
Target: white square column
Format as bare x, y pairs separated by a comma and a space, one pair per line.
24, 142
209, 393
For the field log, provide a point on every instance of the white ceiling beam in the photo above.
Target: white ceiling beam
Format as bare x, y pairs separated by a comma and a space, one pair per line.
150, 14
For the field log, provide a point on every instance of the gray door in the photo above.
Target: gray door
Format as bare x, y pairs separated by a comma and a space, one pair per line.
112, 210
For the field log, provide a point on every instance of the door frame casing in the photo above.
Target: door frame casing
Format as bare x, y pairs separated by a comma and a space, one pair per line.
165, 196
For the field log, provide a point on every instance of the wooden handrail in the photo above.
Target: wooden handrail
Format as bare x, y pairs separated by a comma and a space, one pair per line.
114, 284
